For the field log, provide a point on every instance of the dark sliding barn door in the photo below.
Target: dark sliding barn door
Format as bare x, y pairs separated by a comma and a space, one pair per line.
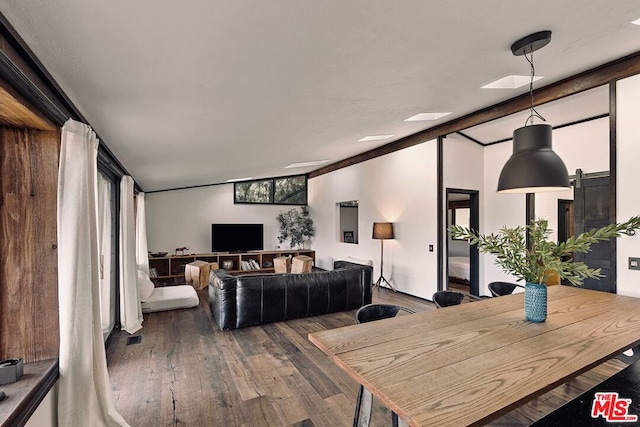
591, 211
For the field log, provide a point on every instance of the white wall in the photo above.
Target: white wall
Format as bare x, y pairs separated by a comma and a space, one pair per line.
628, 164
497, 210
401, 188
183, 218
46, 414
583, 146
463, 168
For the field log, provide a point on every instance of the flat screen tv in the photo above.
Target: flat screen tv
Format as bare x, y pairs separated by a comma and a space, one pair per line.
236, 237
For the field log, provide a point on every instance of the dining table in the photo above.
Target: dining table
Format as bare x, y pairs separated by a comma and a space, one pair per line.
471, 363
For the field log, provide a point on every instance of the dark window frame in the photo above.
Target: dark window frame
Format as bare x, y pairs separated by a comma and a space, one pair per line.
273, 191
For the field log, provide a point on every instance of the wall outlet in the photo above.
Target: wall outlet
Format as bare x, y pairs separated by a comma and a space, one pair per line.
634, 263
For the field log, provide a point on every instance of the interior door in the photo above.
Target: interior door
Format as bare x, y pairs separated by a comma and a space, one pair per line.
591, 211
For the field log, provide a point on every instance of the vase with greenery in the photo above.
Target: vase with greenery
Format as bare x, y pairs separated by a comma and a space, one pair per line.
296, 226
542, 258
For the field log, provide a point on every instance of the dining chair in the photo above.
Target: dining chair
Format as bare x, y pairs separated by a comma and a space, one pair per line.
364, 402
499, 289
447, 298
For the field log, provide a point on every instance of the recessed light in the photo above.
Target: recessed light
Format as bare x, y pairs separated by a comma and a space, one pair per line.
375, 138
305, 164
636, 22
511, 82
239, 179
426, 116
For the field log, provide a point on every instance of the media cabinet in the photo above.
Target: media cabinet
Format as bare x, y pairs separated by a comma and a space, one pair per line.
173, 266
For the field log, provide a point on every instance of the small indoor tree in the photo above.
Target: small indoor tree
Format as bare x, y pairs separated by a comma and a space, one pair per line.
296, 226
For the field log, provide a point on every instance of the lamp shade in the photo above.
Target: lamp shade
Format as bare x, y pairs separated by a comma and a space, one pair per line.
382, 230
533, 167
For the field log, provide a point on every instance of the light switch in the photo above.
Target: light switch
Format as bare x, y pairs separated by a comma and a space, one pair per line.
634, 263
430, 248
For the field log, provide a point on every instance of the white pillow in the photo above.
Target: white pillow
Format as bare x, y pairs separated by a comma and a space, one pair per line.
145, 286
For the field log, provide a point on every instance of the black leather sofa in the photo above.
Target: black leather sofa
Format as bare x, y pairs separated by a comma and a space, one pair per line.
255, 299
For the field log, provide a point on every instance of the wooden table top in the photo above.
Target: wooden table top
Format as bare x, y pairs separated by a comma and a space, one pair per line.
471, 363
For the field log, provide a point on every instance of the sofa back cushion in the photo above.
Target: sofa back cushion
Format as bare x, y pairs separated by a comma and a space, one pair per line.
272, 298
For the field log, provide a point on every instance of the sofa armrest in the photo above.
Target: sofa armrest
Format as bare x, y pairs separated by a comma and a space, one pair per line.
222, 298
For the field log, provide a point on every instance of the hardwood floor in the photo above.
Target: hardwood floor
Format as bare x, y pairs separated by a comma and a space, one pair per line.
186, 372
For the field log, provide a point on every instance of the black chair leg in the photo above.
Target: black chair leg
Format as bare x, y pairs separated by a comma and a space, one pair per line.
356, 415
364, 403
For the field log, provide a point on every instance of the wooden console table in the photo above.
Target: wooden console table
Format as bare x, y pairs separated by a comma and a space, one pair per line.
173, 266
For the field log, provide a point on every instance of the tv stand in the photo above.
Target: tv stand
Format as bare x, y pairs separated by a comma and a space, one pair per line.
173, 266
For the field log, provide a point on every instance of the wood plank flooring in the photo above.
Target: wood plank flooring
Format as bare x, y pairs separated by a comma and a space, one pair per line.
186, 372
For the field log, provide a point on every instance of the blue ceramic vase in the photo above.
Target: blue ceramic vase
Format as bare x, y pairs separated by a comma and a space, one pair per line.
535, 302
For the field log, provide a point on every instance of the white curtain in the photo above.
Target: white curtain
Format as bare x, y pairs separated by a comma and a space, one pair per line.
107, 285
142, 254
84, 394
130, 308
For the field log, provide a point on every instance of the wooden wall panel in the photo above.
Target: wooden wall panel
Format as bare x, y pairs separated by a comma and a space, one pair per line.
28, 262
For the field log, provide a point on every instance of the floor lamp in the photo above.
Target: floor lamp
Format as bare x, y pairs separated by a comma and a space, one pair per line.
383, 231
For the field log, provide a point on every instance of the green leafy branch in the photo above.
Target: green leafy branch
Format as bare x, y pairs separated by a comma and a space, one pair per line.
543, 258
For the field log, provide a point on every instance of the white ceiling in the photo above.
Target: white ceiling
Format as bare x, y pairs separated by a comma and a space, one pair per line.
198, 92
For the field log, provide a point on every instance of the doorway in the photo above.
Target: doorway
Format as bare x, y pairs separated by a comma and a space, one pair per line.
591, 204
462, 261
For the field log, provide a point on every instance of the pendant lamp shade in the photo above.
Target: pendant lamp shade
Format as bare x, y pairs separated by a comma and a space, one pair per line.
533, 167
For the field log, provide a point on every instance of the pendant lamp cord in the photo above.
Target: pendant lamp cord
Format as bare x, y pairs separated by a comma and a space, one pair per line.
533, 111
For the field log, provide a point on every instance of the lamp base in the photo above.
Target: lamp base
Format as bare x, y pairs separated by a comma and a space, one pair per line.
380, 281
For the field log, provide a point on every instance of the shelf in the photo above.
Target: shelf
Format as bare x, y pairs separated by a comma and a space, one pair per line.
173, 266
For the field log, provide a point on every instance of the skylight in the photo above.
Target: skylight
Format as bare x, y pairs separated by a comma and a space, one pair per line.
375, 138
305, 164
239, 179
511, 82
426, 116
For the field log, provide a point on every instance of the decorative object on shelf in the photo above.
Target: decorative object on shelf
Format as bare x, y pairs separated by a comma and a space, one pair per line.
383, 231
296, 226
10, 371
533, 167
348, 237
227, 264
157, 254
180, 251
282, 264
542, 259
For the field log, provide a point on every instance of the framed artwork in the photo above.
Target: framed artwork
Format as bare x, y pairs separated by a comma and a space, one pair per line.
348, 237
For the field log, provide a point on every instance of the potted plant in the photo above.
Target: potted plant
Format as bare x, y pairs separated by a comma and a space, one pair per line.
536, 263
296, 226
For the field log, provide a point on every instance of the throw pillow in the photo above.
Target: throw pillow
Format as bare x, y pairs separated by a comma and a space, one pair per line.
145, 286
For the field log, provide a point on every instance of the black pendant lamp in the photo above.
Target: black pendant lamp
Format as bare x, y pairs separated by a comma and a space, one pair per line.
533, 167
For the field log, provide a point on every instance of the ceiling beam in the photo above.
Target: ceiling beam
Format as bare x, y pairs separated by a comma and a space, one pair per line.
604, 74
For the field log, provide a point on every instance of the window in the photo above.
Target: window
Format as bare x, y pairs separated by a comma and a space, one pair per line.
290, 190
254, 191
